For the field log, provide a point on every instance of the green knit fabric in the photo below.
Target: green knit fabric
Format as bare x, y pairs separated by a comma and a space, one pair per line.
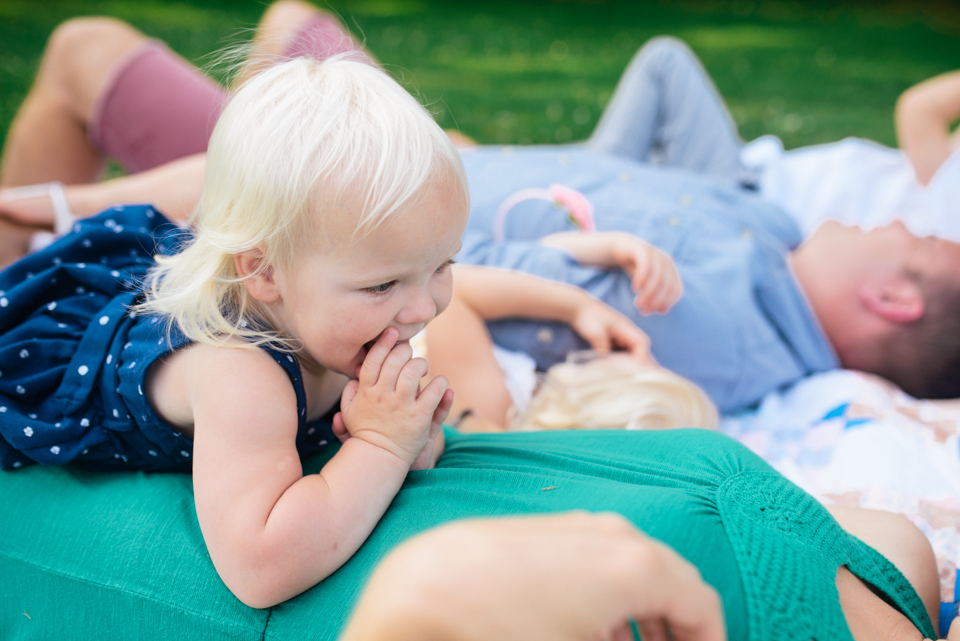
788, 548
85, 556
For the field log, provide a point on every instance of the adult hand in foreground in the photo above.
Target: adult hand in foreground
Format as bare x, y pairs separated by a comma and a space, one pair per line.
568, 577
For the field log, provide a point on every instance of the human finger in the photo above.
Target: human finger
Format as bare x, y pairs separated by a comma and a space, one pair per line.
651, 288
393, 364
653, 630
376, 355
432, 395
599, 341
671, 287
348, 394
631, 339
641, 270
340, 428
408, 380
682, 600
440, 414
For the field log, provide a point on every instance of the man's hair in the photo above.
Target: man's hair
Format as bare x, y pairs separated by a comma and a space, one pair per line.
299, 147
923, 357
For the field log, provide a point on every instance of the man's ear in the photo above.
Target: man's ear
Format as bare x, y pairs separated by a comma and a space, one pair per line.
896, 299
258, 277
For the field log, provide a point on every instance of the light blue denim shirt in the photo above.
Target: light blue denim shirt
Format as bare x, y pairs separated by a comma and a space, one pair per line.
743, 327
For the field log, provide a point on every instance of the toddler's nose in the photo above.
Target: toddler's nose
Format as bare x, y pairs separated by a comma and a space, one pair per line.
420, 310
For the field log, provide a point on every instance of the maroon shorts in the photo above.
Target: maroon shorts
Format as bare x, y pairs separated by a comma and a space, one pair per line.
158, 107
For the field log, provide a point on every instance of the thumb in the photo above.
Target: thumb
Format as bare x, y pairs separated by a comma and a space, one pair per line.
340, 428
349, 393
599, 341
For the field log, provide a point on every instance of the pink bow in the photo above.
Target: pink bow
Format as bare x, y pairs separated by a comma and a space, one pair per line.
579, 209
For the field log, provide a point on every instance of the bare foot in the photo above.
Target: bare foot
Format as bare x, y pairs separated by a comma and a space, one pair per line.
28, 213
14, 242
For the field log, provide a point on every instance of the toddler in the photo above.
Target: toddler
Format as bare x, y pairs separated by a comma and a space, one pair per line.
332, 208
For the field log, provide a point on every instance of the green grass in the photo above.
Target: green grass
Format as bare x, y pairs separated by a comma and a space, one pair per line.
524, 71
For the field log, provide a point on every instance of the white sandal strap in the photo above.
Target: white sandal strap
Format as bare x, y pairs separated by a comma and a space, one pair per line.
63, 218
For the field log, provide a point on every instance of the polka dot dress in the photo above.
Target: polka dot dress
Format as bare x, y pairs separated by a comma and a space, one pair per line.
73, 356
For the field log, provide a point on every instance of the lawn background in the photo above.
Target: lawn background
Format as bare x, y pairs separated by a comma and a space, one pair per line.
525, 71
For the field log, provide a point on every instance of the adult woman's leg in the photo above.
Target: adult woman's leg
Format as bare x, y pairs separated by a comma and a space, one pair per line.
154, 112
666, 109
48, 138
292, 28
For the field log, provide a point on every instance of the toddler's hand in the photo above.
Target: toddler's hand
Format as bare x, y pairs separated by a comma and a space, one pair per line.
652, 273
434, 447
605, 328
386, 407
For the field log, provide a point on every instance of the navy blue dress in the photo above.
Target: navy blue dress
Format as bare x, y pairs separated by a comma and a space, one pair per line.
73, 356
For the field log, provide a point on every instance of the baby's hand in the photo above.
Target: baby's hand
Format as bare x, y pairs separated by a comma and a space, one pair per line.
605, 328
386, 407
652, 273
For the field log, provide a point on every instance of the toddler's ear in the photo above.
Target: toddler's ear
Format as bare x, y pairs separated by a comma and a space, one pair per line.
257, 275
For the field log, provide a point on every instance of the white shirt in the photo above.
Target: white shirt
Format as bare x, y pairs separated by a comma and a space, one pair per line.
858, 182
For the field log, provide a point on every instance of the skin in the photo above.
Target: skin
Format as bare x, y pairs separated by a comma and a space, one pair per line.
859, 283
48, 140
923, 116
76, 63
579, 576
566, 577
271, 531
459, 343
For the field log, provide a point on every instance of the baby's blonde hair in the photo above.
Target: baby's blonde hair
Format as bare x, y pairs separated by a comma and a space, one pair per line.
615, 392
298, 143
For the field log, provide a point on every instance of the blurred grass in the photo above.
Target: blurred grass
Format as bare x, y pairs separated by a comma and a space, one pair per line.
525, 71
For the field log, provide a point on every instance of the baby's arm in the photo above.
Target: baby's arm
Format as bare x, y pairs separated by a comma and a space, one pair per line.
271, 531
652, 272
459, 345
924, 113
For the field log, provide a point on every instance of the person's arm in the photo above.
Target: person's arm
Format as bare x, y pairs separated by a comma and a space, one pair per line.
923, 117
501, 293
271, 531
569, 577
459, 345
653, 274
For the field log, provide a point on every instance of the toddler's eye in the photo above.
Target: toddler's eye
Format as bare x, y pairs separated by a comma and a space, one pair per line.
444, 266
380, 289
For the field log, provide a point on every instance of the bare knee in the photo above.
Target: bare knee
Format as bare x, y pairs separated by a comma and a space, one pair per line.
82, 54
281, 21
289, 11
75, 38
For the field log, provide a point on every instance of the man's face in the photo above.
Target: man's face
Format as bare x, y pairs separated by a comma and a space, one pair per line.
851, 252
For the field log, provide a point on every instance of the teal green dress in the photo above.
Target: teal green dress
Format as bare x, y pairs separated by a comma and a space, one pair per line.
121, 556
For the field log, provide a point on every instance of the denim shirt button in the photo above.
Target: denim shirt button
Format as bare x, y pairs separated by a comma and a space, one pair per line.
746, 233
544, 335
686, 200
674, 221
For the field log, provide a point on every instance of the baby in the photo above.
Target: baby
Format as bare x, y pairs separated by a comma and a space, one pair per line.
332, 208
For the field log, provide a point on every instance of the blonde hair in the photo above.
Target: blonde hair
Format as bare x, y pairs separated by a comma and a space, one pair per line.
615, 392
298, 143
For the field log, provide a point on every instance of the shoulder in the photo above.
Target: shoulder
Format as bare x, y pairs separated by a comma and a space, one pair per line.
203, 378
